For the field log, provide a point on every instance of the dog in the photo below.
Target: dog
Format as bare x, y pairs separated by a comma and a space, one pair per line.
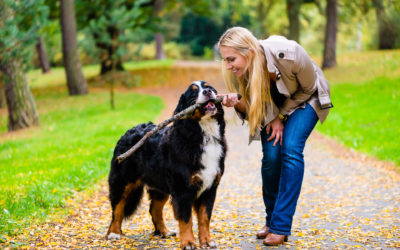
184, 161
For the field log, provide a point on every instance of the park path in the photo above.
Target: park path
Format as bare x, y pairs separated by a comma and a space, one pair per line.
348, 200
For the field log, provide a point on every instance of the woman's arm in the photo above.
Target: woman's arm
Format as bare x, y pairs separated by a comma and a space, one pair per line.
305, 73
231, 100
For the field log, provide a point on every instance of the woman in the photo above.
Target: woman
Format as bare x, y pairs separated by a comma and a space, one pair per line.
284, 94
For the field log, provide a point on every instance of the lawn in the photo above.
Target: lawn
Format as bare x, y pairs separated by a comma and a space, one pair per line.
366, 117
71, 150
366, 94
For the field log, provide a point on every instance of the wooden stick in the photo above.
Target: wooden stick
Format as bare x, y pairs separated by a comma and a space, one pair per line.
181, 115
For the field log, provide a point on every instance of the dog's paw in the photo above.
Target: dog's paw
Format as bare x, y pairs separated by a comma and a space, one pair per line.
210, 244
189, 246
164, 234
169, 233
113, 236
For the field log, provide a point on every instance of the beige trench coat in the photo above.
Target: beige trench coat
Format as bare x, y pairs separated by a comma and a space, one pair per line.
299, 79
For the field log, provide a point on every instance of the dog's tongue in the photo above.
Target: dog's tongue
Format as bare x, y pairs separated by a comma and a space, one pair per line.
210, 105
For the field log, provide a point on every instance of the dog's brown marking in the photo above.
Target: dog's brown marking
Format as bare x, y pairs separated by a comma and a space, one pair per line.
194, 87
196, 115
204, 225
156, 211
186, 234
118, 212
217, 179
206, 84
196, 181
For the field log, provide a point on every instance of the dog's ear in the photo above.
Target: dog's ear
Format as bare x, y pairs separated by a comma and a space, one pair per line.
181, 104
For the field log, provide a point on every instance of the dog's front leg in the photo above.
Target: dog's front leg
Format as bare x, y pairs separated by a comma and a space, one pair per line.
186, 234
203, 208
182, 206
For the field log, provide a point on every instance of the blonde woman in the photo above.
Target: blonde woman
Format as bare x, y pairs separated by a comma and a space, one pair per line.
284, 94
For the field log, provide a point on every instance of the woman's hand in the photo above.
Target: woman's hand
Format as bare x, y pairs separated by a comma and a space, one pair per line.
230, 100
277, 130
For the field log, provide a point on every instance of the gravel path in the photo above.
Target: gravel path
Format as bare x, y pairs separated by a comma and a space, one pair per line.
347, 201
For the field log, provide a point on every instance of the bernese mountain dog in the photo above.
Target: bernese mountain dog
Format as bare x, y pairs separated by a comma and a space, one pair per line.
184, 161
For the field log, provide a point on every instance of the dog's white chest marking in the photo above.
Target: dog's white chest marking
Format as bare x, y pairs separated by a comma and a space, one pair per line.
212, 152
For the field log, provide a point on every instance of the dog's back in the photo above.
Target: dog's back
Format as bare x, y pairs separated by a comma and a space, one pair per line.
185, 160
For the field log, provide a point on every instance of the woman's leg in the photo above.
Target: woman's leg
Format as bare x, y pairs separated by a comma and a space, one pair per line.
270, 173
297, 129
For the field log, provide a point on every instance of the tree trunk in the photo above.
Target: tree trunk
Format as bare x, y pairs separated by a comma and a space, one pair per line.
2, 97
44, 61
108, 60
21, 105
293, 12
330, 34
262, 12
75, 80
159, 46
107, 66
379, 12
158, 37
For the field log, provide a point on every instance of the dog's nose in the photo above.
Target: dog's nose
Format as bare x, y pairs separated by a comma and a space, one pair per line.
207, 92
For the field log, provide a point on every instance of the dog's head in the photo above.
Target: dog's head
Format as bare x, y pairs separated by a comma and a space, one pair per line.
198, 92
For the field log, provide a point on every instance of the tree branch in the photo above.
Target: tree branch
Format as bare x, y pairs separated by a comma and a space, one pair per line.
181, 115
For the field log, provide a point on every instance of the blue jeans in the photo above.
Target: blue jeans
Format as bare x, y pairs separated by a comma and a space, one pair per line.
282, 169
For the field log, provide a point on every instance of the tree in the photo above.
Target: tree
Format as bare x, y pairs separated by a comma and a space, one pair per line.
2, 97
18, 32
388, 24
21, 105
329, 60
158, 37
112, 24
75, 80
293, 12
42, 54
262, 9
204, 23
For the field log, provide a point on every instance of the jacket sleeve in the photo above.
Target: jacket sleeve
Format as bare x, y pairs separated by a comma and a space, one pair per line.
305, 74
272, 113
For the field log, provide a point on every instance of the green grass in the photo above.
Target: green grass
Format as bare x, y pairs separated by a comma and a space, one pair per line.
366, 94
357, 68
70, 150
366, 117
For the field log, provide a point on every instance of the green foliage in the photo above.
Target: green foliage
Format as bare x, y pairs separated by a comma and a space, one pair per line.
20, 24
199, 31
390, 31
69, 152
109, 25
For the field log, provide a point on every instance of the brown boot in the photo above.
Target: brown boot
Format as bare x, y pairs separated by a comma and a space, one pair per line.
263, 232
275, 239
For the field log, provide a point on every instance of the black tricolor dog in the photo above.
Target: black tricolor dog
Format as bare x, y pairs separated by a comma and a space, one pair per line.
184, 161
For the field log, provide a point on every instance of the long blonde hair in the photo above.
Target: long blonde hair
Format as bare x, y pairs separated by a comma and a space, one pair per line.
253, 85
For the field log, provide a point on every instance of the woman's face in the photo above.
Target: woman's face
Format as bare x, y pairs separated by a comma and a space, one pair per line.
233, 60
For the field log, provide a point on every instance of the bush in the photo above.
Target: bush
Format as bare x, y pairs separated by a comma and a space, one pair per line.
389, 32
